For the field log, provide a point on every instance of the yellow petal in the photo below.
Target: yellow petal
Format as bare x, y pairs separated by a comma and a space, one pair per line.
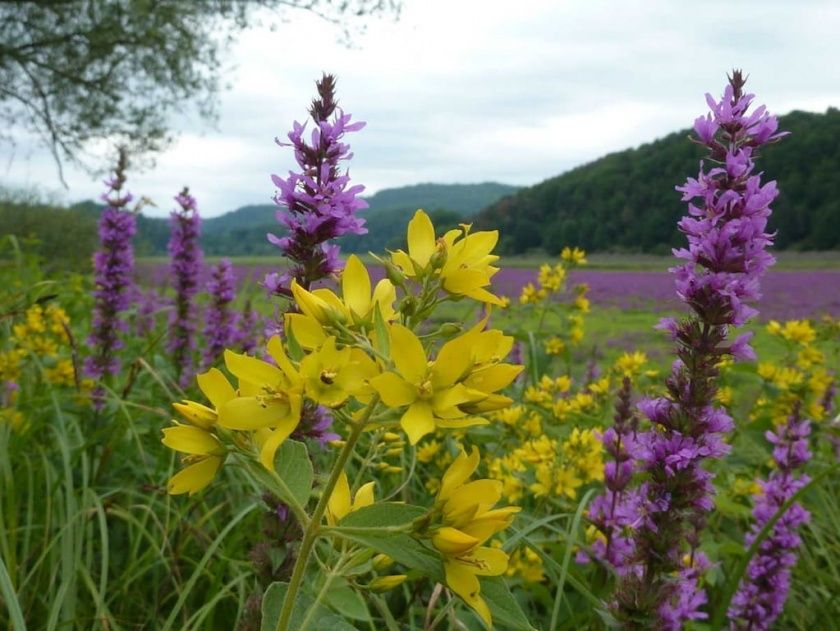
272, 443
452, 362
190, 440
306, 329
460, 423
458, 472
309, 303
421, 238
489, 561
462, 580
493, 378
364, 496
194, 477
418, 421
252, 370
355, 286
384, 294
215, 387
275, 349
450, 397
408, 354
339, 503
394, 390
249, 413
197, 414
452, 542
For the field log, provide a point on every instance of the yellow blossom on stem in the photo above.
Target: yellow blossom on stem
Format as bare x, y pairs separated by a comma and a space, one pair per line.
468, 521
203, 451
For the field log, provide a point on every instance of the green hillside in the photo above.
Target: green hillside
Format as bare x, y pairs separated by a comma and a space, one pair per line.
242, 231
626, 201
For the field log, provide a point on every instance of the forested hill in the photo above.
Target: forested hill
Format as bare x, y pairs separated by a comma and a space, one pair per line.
626, 200
242, 231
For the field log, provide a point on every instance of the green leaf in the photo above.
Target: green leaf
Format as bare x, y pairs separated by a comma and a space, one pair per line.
295, 351
321, 618
272, 603
383, 515
507, 614
295, 469
383, 339
347, 601
403, 549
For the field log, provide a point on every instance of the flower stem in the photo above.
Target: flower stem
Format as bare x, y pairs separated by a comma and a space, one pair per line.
313, 529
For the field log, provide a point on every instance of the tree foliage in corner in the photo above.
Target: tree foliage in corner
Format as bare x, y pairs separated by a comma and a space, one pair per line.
75, 71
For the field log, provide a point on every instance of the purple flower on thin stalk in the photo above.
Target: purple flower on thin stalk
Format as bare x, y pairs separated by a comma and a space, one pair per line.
316, 423
220, 329
614, 513
113, 266
184, 268
317, 204
728, 209
764, 588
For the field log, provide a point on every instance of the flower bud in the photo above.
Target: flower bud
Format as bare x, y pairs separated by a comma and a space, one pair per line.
382, 562
386, 583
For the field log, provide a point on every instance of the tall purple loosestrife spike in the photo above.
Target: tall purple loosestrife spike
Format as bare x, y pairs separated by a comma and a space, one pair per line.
185, 267
220, 329
113, 279
764, 588
317, 204
725, 260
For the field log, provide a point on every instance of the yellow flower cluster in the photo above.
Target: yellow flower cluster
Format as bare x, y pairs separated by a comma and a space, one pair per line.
802, 375
42, 334
40, 340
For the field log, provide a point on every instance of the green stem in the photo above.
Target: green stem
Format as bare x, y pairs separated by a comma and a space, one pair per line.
313, 529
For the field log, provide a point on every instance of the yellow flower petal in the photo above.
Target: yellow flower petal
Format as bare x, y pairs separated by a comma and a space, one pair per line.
364, 496
462, 580
275, 349
355, 286
458, 472
453, 361
339, 503
452, 542
493, 378
190, 440
421, 238
408, 354
197, 414
418, 421
194, 477
215, 387
306, 329
249, 413
489, 561
272, 443
394, 390
251, 369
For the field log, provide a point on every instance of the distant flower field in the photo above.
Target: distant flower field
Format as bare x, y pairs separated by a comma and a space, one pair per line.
793, 294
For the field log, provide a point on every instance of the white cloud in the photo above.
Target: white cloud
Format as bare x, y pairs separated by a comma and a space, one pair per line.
470, 90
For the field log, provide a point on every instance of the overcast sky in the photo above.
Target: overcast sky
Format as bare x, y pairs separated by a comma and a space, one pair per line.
457, 91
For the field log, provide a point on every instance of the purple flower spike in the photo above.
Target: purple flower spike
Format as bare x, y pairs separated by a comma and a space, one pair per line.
728, 209
764, 588
113, 280
220, 330
317, 204
185, 268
